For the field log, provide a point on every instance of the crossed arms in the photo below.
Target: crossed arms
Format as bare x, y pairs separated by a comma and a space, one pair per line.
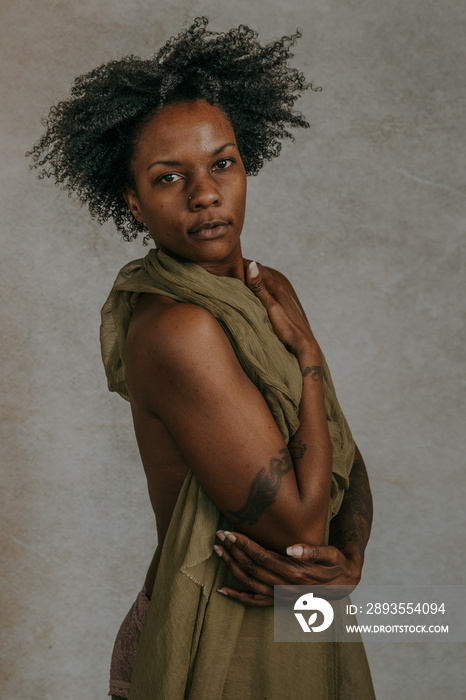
180, 368
338, 564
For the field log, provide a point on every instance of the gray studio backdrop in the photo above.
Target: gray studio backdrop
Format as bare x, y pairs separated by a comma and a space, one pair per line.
365, 213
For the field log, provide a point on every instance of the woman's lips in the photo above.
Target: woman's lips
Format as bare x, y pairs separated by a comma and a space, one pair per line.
210, 229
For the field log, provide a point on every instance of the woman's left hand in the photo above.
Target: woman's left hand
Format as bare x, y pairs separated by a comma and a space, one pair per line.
288, 323
260, 569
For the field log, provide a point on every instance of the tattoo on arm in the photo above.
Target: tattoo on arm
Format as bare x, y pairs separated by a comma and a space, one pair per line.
297, 449
315, 372
353, 522
264, 489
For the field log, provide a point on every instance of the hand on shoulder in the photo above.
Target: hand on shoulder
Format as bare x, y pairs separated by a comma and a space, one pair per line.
283, 308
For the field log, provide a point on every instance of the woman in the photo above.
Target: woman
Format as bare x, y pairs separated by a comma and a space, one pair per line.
234, 410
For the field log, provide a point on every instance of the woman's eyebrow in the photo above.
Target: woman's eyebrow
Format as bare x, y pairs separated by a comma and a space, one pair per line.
173, 163
163, 162
219, 150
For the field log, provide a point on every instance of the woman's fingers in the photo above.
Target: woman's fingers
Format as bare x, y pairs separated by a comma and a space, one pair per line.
251, 599
309, 553
281, 324
271, 292
252, 584
260, 569
250, 557
305, 564
257, 285
284, 314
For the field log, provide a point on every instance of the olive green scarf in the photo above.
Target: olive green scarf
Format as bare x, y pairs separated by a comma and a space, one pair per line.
196, 643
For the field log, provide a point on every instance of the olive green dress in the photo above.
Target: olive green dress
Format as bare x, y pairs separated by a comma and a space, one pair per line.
196, 643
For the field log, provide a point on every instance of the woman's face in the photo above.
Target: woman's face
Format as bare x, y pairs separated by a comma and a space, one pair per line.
190, 184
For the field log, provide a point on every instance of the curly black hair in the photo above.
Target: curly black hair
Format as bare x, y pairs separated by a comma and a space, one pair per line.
90, 138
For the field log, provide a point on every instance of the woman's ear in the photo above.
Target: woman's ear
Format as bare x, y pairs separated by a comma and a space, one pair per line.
132, 201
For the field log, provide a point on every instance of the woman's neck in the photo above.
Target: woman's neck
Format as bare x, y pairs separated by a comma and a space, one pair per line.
232, 266
234, 269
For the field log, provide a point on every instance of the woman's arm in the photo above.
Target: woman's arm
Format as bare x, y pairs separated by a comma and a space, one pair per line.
351, 527
339, 564
183, 370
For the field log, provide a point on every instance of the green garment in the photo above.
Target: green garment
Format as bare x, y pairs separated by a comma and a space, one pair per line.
196, 643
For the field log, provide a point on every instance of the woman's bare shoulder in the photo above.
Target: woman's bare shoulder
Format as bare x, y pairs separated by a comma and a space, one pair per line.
171, 343
278, 277
161, 323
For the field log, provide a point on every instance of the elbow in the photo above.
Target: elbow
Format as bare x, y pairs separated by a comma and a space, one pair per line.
312, 533
310, 523
302, 528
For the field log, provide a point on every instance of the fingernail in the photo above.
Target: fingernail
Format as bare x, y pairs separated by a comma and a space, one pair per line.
218, 550
221, 535
295, 551
219, 590
230, 537
253, 269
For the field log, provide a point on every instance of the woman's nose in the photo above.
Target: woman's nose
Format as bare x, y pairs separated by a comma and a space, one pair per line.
204, 194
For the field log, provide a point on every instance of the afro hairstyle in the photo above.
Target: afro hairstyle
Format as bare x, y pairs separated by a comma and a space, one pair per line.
90, 137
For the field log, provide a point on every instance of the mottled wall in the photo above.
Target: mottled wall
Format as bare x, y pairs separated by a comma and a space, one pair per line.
365, 213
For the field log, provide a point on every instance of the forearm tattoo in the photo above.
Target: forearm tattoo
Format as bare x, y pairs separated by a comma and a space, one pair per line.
297, 449
354, 520
264, 489
315, 372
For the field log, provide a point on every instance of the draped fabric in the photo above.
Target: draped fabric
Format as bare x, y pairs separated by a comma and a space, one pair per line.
196, 643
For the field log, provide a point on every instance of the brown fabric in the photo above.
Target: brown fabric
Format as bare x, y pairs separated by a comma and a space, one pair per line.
196, 643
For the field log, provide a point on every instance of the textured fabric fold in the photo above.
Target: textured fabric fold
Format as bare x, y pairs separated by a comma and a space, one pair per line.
196, 643
265, 360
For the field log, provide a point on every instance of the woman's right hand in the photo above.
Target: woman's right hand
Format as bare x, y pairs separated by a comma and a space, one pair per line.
259, 569
287, 321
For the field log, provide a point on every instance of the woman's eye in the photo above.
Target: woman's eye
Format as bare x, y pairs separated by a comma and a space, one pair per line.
169, 177
223, 164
